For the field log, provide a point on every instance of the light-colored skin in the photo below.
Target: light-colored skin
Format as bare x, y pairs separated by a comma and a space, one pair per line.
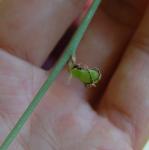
64, 119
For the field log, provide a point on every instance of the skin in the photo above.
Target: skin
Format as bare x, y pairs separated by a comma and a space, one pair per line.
65, 120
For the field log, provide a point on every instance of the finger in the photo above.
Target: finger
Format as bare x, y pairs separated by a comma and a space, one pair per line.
30, 29
126, 100
108, 35
19, 82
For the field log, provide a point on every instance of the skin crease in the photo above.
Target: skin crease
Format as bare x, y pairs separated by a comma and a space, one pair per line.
64, 120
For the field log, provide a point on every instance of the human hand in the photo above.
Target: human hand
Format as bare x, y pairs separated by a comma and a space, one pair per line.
64, 119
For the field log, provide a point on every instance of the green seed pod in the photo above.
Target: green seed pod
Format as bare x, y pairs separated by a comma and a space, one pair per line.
90, 77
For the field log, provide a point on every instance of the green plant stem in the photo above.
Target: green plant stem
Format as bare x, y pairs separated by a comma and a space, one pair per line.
70, 50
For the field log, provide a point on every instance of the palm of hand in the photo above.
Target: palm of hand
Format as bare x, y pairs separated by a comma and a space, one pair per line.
64, 119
